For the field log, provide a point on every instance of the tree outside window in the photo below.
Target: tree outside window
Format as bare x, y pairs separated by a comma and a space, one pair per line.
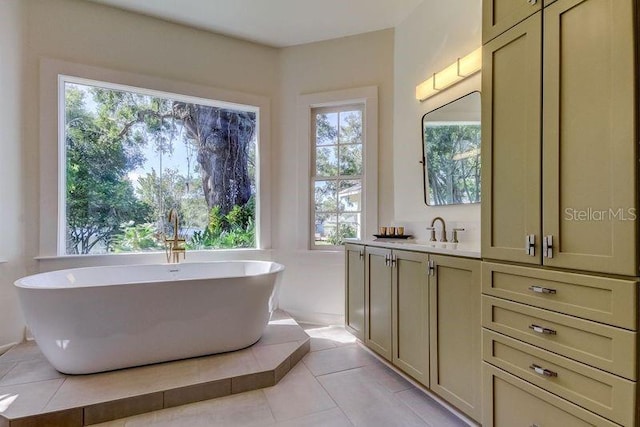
337, 174
131, 157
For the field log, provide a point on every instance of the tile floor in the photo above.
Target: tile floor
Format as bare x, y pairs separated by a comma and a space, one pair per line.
337, 384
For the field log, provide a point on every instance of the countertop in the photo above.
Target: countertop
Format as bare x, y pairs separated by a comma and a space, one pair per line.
455, 249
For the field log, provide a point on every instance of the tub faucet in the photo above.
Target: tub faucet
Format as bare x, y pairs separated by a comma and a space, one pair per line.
443, 237
174, 246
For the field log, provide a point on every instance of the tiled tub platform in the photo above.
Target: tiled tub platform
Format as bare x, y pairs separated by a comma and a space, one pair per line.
33, 393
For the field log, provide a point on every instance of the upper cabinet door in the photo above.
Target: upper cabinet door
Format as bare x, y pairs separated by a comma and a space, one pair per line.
500, 15
511, 106
589, 182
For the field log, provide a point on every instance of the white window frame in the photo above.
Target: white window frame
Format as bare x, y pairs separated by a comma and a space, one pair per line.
368, 97
53, 74
337, 178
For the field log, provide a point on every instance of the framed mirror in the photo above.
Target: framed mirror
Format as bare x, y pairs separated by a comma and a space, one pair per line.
451, 152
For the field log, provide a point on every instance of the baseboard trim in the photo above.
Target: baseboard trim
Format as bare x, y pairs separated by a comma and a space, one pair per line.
6, 347
315, 318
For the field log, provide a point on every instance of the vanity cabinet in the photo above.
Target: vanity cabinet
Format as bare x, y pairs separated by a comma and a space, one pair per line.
455, 332
354, 291
559, 176
397, 309
422, 314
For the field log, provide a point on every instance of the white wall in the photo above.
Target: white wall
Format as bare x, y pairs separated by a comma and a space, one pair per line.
313, 285
12, 173
430, 39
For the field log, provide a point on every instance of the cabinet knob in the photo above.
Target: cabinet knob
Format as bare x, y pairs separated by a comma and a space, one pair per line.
532, 2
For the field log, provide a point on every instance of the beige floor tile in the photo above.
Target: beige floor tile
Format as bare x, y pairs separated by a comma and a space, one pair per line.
250, 382
366, 402
26, 399
330, 418
337, 359
30, 371
241, 410
386, 377
281, 331
6, 367
318, 344
338, 335
227, 365
68, 418
297, 394
271, 356
434, 414
123, 408
90, 389
23, 351
197, 393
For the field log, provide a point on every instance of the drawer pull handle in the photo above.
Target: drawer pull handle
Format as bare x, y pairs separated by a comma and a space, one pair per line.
541, 330
541, 290
544, 372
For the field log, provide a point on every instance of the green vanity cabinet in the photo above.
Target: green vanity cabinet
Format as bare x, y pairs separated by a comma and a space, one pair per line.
354, 291
455, 332
410, 313
377, 301
422, 314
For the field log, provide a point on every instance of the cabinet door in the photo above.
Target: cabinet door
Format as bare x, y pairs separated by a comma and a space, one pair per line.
410, 313
500, 15
455, 333
378, 301
511, 105
589, 182
354, 290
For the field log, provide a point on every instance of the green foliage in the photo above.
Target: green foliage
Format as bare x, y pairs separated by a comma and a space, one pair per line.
453, 163
99, 196
234, 230
136, 238
344, 231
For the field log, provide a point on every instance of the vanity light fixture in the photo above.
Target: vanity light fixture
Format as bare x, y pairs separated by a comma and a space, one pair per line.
454, 73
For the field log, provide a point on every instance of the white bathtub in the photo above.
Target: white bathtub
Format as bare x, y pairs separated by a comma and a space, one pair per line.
98, 319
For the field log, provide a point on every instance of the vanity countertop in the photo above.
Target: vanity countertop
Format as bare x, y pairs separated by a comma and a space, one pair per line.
455, 249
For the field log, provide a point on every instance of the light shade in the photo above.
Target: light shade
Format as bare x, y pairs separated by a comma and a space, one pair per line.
459, 70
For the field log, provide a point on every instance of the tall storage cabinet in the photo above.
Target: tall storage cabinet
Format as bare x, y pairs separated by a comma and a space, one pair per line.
511, 103
559, 221
561, 187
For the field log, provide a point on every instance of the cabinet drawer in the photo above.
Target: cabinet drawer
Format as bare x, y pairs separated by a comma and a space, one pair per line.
604, 347
510, 401
603, 393
600, 299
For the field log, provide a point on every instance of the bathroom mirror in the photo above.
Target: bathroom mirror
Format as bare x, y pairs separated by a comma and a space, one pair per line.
451, 152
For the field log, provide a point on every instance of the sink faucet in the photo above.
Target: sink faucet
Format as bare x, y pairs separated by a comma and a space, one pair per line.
433, 230
174, 246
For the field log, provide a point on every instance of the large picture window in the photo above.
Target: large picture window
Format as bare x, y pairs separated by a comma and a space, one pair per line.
131, 155
337, 169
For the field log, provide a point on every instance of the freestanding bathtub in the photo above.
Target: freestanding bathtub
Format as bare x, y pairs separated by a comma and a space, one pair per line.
96, 319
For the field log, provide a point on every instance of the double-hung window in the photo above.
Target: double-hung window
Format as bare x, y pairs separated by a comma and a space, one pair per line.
337, 169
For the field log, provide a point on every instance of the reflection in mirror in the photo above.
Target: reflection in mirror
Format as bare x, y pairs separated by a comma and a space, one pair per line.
451, 152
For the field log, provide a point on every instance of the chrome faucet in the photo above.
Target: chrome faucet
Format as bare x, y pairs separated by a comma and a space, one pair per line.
174, 246
443, 237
